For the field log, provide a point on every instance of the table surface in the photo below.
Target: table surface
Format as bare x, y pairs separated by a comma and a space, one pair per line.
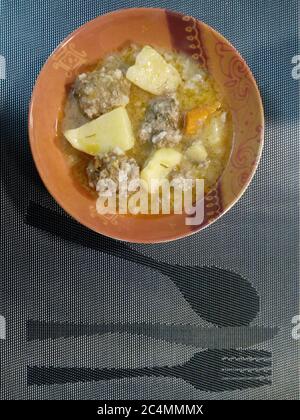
47, 277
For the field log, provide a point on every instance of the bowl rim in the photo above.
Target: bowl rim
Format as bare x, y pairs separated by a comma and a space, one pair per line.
237, 196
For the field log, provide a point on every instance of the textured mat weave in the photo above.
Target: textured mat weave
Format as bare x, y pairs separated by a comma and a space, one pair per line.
65, 292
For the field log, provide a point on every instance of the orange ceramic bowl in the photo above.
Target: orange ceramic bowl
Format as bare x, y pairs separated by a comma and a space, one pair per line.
161, 28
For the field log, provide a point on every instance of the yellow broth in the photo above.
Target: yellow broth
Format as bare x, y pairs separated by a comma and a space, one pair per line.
206, 94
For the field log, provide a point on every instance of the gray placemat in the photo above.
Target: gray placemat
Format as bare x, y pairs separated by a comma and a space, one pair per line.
46, 277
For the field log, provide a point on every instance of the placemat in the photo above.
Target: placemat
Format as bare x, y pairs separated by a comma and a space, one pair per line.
72, 301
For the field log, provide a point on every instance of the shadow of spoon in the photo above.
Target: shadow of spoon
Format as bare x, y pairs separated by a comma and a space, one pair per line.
219, 296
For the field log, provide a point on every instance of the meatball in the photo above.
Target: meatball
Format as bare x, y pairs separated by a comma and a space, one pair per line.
161, 122
106, 171
101, 91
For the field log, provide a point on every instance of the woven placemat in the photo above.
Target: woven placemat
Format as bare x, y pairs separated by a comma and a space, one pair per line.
72, 301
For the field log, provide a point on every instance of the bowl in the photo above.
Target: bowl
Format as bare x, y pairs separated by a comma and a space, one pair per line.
169, 30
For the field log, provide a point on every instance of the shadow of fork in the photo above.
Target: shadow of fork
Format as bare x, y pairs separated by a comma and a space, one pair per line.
219, 296
210, 370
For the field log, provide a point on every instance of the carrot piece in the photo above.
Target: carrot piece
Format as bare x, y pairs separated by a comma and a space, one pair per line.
196, 117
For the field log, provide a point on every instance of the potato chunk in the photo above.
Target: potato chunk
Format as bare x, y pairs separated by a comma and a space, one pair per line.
159, 165
103, 134
152, 73
216, 129
196, 153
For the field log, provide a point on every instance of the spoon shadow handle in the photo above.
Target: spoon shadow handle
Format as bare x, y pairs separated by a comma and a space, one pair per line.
67, 228
63, 226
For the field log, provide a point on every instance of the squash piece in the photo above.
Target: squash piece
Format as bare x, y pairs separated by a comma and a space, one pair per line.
103, 134
196, 117
152, 73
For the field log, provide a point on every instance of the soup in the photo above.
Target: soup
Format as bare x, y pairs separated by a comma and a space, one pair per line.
150, 114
